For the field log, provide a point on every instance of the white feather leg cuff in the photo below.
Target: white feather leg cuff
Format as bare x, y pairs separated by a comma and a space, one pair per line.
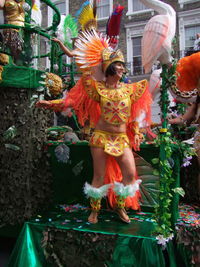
127, 190
95, 192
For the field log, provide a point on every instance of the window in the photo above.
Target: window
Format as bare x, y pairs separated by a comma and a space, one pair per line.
184, 2
190, 36
103, 9
137, 58
61, 6
136, 6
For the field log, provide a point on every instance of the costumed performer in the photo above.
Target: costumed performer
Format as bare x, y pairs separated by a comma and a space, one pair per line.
14, 14
112, 107
188, 84
87, 18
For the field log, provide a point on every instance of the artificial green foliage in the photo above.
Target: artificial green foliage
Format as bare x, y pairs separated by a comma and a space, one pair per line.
163, 209
166, 142
181, 108
179, 190
149, 187
24, 171
10, 133
83, 248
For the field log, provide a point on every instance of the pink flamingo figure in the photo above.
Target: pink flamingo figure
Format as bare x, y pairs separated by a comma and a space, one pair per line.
158, 34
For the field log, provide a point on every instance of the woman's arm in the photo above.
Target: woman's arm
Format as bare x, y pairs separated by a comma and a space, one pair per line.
90, 85
190, 114
56, 105
63, 47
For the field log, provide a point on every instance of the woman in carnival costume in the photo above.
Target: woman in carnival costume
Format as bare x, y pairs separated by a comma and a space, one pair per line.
188, 90
112, 107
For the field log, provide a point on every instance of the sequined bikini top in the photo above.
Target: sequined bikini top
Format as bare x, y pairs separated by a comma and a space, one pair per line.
115, 103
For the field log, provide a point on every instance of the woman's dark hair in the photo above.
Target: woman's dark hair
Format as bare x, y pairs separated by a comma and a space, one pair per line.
111, 71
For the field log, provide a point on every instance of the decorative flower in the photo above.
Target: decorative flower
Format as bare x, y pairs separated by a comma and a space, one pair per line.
161, 240
187, 161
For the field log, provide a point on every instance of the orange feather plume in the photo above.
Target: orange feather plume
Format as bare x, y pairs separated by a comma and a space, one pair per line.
188, 72
89, 48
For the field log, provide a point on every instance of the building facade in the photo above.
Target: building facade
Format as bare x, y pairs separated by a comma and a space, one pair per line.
134, 19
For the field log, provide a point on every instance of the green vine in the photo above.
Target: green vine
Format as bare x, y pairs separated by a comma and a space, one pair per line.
163, 210
164, 141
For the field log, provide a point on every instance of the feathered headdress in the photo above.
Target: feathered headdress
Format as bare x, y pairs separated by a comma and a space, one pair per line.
86, 16
113, 25
188, 79
188, 73
93, 49
90, 46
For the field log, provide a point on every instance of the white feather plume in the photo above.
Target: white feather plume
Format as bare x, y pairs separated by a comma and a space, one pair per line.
94, 192
126, 190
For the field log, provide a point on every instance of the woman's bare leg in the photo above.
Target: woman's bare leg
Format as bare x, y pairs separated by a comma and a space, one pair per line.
127, 165
99, 163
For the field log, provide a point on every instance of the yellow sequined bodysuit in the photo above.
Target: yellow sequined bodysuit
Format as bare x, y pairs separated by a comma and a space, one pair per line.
115, 104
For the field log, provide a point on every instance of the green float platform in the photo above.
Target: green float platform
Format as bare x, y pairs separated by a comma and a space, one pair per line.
63, 237
69, 178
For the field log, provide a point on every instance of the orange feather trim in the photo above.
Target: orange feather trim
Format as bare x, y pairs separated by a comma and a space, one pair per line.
113, 174
143, 104
188, 72
85, 107
89, 48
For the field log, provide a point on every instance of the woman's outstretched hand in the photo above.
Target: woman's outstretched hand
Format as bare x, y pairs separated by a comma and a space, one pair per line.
55, 40
43, 104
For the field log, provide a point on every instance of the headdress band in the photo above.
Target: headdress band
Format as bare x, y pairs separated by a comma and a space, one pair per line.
108, 57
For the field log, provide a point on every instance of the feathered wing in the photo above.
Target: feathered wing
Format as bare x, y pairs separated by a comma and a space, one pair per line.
158, 34
154, 41
155, 82
70, 30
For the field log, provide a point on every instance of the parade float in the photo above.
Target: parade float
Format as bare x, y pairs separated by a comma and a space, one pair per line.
44, 168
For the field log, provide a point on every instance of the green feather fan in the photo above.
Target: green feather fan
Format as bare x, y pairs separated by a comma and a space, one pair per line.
70, 30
